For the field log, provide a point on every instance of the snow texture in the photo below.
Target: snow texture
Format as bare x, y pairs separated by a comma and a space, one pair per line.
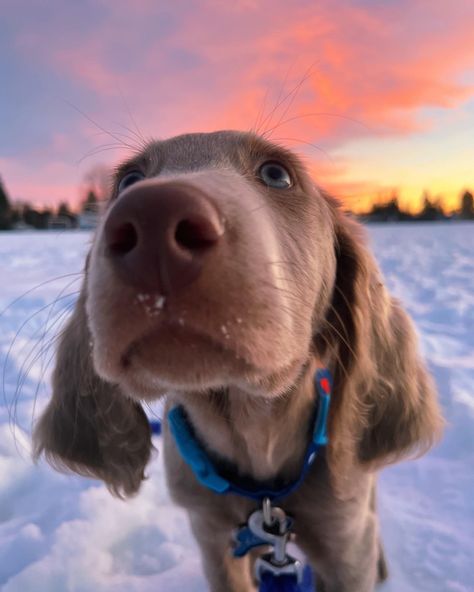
64, 533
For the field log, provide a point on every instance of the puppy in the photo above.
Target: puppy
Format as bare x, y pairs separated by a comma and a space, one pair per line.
222, 276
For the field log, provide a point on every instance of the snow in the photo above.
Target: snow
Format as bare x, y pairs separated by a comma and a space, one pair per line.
65, 533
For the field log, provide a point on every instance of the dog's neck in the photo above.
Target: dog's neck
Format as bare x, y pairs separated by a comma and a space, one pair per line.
263, 437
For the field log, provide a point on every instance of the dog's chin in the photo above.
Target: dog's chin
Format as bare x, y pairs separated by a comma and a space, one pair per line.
185, 361
144, 384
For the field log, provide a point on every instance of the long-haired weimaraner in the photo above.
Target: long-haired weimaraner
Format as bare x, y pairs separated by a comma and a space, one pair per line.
222, 276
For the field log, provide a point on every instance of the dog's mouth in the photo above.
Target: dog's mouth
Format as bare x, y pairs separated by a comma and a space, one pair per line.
172, 344
178, 354
178, 335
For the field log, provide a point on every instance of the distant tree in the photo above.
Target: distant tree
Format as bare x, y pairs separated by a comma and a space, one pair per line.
91, 202
15, 216
5, 209
65, 212
432, 210
97, 180
95, 189
43, 219
35, 218
29, 215
386, 212
467, 206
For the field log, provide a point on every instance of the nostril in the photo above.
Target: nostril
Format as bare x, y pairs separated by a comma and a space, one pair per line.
197, 233
122, 239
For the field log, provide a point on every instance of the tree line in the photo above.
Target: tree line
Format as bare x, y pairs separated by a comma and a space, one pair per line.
13, 216
431, 210
24, 214
16, 215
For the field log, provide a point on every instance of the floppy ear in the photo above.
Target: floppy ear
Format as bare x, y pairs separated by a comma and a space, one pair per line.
90, 427
384, 405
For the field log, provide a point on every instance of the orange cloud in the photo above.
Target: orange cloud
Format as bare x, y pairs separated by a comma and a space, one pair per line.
318, 73
370, 63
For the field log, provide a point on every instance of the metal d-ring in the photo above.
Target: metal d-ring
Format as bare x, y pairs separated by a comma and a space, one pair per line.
272, 514
267, 511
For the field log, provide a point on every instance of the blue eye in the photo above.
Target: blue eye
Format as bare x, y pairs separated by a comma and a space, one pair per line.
275, 175
129, 179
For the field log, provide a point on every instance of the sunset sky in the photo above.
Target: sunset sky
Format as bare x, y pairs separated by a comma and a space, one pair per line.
378, 96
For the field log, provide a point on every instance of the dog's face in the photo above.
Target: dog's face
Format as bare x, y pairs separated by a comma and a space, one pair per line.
212, 265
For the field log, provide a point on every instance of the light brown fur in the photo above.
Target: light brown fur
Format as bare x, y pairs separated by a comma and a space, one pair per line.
292, 287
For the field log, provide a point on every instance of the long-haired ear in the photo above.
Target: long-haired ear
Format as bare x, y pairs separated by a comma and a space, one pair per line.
384, 405
89, 426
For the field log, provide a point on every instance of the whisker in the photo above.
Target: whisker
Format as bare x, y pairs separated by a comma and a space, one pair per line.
44, 367
334, 353
17, 334
288, 97
311, 144
113, 135
38, 344
55, 279
341, 337
58, 298
278, 100
23, 374
99, 149
142, 142
320, 114
260, 113
138, 134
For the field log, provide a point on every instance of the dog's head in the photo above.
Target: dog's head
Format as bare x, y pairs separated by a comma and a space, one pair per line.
213, 263
220, 263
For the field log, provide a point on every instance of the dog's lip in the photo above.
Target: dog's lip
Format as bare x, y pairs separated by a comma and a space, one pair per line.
185, 331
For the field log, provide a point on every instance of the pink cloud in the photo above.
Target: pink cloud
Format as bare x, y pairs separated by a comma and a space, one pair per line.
44, 185
374, 68
372, 63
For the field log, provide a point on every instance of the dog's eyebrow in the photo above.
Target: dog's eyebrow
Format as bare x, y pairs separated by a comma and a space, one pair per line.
137, 162
260, 150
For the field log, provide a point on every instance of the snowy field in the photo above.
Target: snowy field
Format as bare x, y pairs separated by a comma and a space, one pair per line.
64, 533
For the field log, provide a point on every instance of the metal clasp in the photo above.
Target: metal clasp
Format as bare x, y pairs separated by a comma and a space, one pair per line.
272, 525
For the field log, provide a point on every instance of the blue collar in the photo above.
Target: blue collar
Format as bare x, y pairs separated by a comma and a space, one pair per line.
195, 456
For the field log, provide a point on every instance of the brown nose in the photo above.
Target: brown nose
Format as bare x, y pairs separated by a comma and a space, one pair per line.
158, 235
